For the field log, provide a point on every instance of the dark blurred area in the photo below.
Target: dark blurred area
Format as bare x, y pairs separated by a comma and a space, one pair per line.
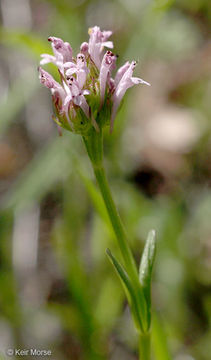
58, 290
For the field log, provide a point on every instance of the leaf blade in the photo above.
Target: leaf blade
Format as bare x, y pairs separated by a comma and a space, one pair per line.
128, 287
145, 270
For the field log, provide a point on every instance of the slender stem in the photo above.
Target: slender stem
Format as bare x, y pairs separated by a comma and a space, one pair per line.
144, 346
94, 146
122, 241
116, 221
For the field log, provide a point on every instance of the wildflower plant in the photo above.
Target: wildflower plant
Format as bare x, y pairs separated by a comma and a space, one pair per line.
85, 101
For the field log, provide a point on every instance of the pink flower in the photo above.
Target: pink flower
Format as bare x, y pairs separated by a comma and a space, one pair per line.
80, 69
80, 77
97, 42
124, 81
48, 80
107, 65
84, 48
62, 48
62, 53
76, 95
121, 72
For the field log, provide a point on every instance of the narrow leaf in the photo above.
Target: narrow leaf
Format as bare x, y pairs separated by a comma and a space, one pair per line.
147, 260
128, 287
145, 269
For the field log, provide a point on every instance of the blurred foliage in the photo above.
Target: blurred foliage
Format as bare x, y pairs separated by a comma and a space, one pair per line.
70, 301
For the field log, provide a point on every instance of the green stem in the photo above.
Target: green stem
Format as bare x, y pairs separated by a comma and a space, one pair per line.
144, 346
122, 241
94, 146
115, 221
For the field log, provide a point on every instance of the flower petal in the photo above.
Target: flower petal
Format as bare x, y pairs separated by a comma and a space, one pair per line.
107, 65
61, 47
124, 81
46, 59
71, 71
97, 41
108, 44
136, 81
121, 71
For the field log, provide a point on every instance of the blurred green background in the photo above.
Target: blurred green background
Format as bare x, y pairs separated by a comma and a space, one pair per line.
58, 290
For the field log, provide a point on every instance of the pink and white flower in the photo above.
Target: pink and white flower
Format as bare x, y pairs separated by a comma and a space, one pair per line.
120, 73
48, 80
97, 42
79, 78
79, 68
107, 65
62, 48
84, 48
62, 53
76, 95
124, 80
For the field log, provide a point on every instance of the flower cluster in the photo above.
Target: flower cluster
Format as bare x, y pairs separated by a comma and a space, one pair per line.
87, 94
